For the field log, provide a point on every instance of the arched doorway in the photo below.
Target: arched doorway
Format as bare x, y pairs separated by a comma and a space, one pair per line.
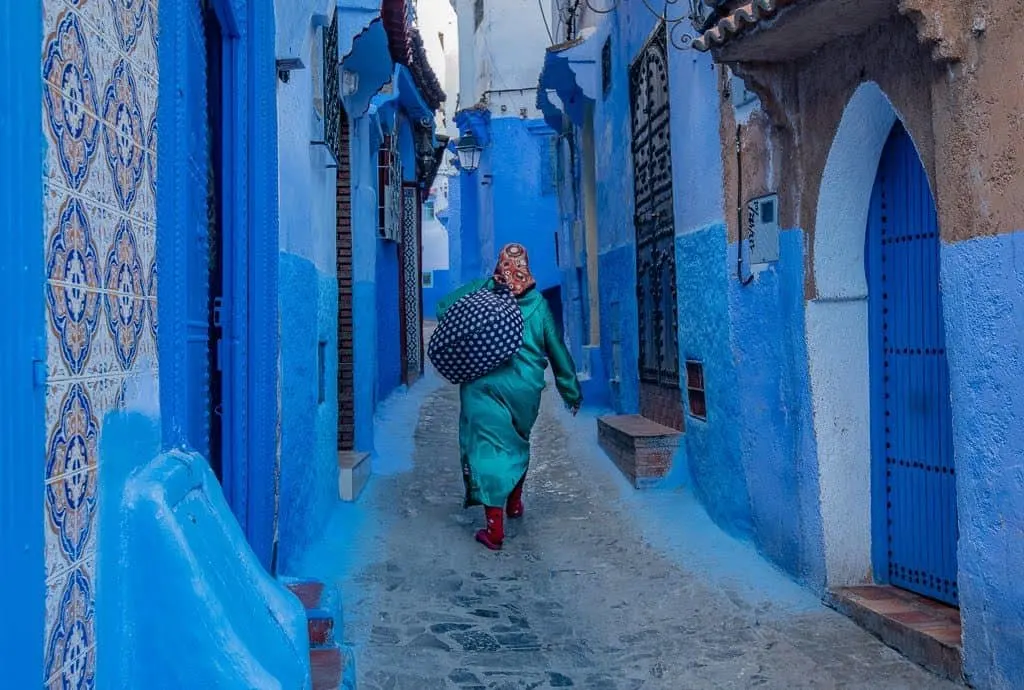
841, 358
914, 521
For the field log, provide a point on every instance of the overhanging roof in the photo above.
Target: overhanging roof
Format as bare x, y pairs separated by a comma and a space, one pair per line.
572, 71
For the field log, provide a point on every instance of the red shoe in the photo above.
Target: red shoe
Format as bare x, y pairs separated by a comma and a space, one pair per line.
494, 535
514, 505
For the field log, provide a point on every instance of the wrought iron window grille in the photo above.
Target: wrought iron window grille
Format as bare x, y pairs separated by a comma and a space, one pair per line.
389, 190
332, 90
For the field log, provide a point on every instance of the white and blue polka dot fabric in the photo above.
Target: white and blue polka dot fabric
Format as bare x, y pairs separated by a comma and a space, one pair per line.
477, 334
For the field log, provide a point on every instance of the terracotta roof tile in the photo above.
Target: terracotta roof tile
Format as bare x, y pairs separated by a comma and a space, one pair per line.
406, 47
742, 18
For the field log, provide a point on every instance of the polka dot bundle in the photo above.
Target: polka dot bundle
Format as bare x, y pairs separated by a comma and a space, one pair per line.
477, 334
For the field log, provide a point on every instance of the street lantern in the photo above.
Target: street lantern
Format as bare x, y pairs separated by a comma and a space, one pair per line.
468, 151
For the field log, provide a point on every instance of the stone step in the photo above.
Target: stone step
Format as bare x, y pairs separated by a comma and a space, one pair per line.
353, 473
320, 624
327, 665
642, 449
923, 630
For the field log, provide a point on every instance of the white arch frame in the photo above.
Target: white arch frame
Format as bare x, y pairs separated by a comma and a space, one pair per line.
837, 335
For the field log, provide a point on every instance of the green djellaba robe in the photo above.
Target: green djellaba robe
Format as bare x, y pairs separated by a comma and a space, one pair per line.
500, 408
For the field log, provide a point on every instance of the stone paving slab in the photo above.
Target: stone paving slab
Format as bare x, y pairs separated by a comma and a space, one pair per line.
578, 598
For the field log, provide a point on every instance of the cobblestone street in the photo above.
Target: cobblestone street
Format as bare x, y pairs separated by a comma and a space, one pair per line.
580, 597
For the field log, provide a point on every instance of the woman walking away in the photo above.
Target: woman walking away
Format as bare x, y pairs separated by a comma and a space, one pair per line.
500, 408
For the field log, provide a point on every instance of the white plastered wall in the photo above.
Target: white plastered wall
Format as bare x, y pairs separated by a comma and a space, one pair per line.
837, 335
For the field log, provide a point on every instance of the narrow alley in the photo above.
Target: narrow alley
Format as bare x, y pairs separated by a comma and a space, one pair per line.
596, 588
767, 252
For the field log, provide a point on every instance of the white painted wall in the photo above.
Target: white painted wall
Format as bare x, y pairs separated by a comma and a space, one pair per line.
438, 25
306, 186
559, 11
501, 60
435, 245
837, 336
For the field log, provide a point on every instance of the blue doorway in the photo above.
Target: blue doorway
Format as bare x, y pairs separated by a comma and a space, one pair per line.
913, 474
218, 252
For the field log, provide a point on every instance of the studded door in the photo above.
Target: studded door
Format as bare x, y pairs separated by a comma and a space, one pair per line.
658, 357
915, 516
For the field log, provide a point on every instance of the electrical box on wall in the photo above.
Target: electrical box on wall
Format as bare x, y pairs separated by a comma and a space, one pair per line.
762, 231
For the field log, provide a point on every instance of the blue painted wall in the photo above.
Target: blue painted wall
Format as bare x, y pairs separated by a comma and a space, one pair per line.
308, 300
983, 300
309, 431
753, 463
452, 222
376, 263
511, 197
389, 337
466, 260
177, 575
712, 446
524, 194
615, 208
753, 459
365, 140
618, 330
431, 296
774, 411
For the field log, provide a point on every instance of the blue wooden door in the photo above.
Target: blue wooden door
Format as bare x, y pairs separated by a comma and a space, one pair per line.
199, 225
208, 315
915, 518
23, 365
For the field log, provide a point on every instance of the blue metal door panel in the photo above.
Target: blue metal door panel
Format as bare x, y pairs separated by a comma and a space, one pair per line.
915, 518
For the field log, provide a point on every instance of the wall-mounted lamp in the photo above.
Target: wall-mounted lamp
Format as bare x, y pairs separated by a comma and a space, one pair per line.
468, 150
285, 67
349, 83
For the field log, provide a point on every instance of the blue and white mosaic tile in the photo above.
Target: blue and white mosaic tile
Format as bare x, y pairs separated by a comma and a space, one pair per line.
99, 70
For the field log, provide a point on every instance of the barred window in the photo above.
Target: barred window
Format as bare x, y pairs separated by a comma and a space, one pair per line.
332, 90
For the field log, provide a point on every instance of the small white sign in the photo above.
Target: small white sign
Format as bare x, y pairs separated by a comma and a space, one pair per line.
762, 231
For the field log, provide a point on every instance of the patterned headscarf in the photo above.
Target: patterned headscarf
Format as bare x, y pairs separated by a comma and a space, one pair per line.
513, 269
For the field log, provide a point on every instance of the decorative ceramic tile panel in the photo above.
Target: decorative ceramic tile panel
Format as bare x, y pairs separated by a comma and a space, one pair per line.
71, 99
71, 629
411, 278
99, 70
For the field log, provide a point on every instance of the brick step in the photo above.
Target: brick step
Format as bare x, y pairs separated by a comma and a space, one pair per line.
320, 624
327, 659
309, 592
925, 631
642, 449
328, 666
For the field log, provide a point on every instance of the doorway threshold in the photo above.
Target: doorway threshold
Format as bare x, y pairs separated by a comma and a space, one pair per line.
925, 631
